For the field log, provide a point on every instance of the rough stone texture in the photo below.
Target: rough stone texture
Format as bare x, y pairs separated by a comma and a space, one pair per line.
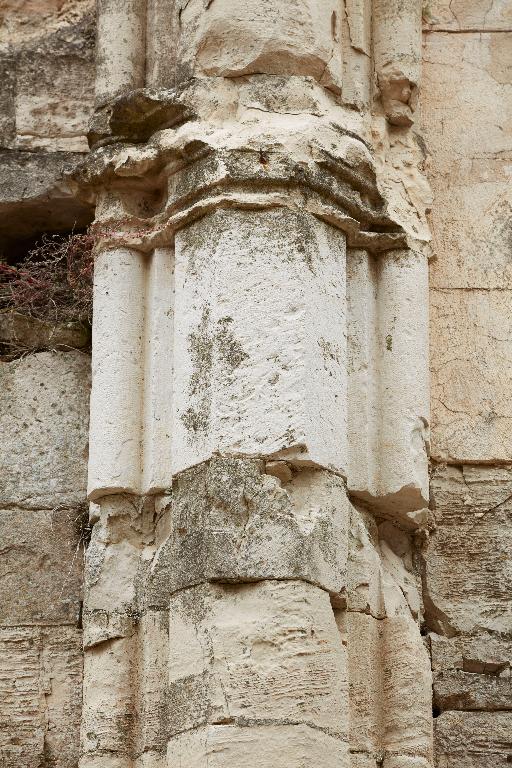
299, 37
40, 696
473, 739
467, 584
264, 653
467, 73
44, 403
472, 672
467, 15
468, 577
232, 393
231, 522
34, 197
41, 566
44, 421
261, 558
46, 96
468, 163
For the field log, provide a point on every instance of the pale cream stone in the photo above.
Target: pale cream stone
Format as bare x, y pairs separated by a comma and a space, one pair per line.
231, 522
287, 37
467, 570
467, 15
151, 707
44, 422
407, 694
364, 570
357, 53
228, 746
388, 380
120, 63
162, 30
40, 696
41, 567
471, 276
397, 51
266, 652
473, 739
116, 554
472, 408
108, 709
118, 371
158, 371
260, 370
364, 650
472, 672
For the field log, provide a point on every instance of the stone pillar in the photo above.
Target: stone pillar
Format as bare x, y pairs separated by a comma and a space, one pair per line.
251, 423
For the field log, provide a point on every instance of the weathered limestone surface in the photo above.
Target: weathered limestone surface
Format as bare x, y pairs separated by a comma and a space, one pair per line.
466, 111
46, 97
468, 164
43, 406
44, 422
264, 582
474, 739
273, 372
40, 696
467, 564
467, 582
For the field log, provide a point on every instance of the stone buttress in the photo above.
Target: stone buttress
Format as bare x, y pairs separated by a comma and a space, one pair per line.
259, 411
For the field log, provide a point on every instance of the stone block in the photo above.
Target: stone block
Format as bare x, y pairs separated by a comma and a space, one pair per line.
388, 389
231, 522
472, 673
35, 198
22, 333
266, 653
41, 566
40, 696
44, 422
228, 746
52, 74
466, 15
472, 410
381, 580
109, 701
473, 739
471, 276
406, 694
287, 37
260, 370
467, 575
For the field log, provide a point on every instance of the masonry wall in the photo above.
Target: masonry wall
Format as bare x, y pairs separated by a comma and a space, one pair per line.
47, 51
467, 129
46, 86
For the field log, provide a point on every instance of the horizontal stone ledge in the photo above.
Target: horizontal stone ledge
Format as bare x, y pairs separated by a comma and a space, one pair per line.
134, 233
135, 116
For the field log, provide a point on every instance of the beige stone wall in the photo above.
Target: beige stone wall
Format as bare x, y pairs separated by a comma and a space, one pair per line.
356, 672
44, 401
467, 129
46, 97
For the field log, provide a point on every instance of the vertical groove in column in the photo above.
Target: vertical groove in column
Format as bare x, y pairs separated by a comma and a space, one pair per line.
363, 371
158, 371
404, 382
